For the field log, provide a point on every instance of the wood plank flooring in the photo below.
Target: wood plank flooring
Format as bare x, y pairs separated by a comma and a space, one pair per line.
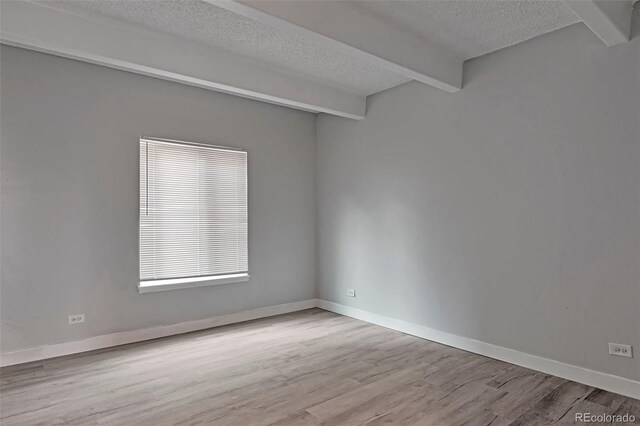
308, 368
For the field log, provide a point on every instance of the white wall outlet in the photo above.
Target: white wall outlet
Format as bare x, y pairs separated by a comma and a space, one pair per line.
76, 319
351, 292
618, 349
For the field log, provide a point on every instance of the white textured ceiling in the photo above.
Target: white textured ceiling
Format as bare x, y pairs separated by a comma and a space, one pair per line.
467, 28
204, 23
471, 28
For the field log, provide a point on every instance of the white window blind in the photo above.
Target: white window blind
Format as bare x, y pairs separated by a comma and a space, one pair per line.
193, 210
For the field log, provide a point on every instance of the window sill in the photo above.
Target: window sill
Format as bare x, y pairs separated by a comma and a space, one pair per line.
179, 283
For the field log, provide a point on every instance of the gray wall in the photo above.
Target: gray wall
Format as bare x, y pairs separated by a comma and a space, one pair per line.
70, 198
508, 212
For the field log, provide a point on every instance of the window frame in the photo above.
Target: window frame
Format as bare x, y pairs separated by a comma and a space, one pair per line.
151, 286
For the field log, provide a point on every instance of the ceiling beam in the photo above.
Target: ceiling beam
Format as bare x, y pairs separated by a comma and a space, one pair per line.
608, 19
128, 47
347, 30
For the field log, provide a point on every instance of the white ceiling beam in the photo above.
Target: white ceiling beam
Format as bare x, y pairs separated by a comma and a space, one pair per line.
608, 19
128, 47
347, 30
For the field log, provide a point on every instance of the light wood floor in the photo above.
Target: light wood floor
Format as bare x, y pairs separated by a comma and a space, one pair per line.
307, 368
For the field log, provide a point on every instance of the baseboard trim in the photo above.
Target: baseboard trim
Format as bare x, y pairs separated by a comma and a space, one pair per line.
117, 339
594, 378
598, 379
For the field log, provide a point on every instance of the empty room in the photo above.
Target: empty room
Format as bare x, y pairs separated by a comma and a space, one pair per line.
319, 212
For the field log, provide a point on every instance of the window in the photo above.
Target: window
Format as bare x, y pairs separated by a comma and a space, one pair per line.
193, 215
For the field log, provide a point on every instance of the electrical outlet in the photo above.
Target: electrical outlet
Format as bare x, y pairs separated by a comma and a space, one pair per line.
351, 292
76, 319
618, 349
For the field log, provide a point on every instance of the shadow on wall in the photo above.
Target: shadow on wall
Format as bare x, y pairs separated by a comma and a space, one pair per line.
635, 21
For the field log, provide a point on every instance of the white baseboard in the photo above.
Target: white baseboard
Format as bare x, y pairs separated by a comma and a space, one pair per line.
116, 339
597, 379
